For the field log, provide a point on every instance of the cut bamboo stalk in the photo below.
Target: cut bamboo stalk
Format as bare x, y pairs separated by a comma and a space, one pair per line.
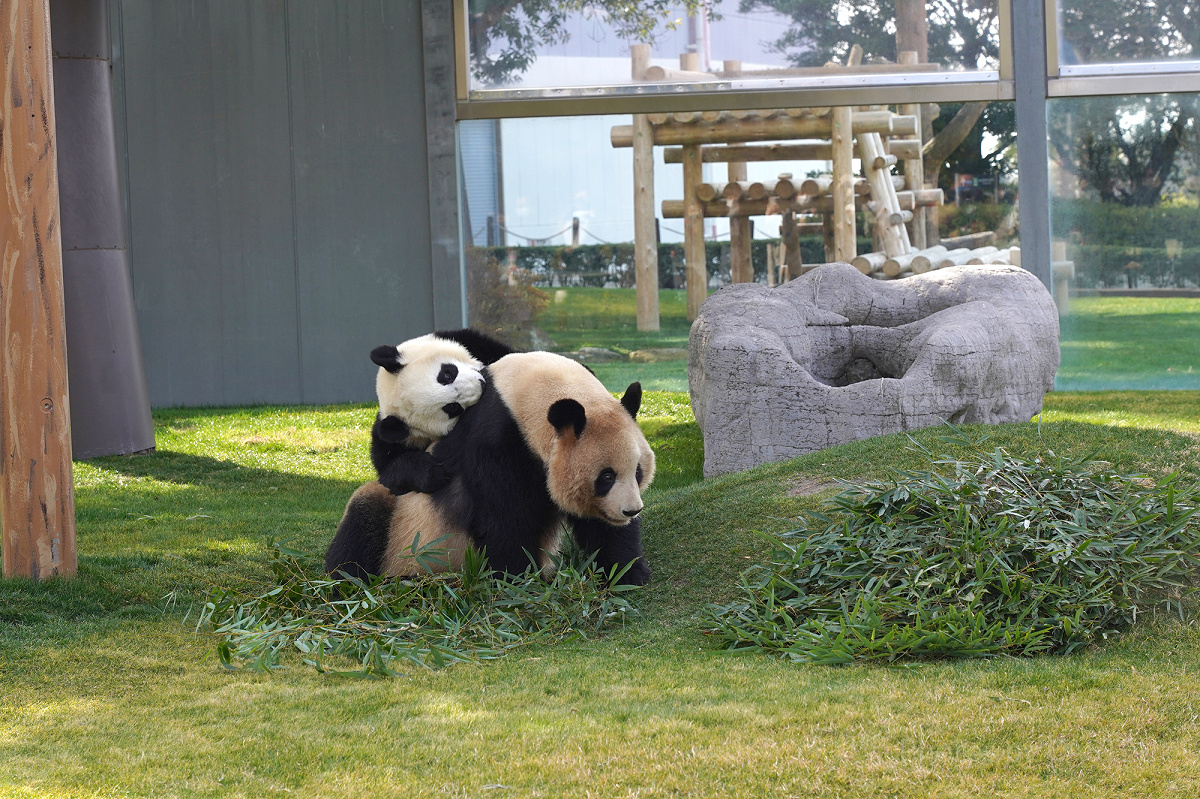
818, 185
954, 258
904, 149
982, 255
919, 259
922, 263
667, 75
784, 187
871, 262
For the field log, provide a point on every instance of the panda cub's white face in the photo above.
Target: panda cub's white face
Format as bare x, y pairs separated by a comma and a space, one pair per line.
427, 383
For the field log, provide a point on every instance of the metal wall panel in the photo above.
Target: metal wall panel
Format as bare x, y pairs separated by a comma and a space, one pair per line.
362, 211
276, 177
210, 200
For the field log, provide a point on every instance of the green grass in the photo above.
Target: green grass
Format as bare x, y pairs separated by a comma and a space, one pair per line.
1130, 343
105, 690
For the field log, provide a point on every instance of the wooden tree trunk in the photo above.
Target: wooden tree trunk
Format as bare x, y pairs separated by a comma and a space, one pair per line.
37, 497
845, 245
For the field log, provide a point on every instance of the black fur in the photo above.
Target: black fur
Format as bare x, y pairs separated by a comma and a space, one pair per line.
480, 345
361, 539
631, 400
498, 495
614, 545
568, 413
400, 467
387, 356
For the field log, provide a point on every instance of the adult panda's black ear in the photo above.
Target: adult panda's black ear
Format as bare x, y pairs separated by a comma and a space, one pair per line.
632, 399
387, 356
567, 413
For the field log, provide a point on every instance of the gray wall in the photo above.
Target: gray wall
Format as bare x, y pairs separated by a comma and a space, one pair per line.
274, 156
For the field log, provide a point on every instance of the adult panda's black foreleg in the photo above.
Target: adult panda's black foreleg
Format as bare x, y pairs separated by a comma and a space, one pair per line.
614, 546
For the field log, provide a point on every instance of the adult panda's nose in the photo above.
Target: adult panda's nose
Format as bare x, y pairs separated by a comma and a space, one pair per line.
632, 513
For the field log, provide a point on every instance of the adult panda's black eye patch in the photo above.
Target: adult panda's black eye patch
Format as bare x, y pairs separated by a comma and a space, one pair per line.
448, 374
452, 409
605, 482
639, 474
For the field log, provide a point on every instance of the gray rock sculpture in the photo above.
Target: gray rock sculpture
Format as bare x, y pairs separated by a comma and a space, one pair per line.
835, 356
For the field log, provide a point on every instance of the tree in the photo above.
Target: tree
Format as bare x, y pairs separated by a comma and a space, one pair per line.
1125, 150
956, 33
506, 34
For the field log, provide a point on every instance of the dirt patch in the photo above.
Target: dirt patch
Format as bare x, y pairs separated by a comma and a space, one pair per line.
807, 486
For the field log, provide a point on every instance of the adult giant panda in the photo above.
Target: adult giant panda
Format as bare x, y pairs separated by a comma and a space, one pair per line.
545, 444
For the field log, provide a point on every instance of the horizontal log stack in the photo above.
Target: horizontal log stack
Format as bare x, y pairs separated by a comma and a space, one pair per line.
826, 204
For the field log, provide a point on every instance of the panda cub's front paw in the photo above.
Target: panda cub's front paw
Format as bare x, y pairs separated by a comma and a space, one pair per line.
435, 477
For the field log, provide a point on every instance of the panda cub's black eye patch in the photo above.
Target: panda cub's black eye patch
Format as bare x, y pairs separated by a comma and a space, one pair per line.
448, 374
605, 482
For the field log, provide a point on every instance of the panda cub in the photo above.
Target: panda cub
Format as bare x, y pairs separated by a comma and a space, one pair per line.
423, 386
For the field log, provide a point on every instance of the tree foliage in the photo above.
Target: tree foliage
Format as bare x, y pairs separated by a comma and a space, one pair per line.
506, 34
962, 33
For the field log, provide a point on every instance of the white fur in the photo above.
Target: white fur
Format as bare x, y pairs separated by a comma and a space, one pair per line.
414, 394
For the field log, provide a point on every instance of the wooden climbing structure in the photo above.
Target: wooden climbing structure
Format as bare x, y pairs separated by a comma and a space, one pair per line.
829, 204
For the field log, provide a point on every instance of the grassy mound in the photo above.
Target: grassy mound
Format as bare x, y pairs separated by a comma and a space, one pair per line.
994, 554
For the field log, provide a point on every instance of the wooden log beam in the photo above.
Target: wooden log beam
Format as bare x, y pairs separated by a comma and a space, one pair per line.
904, 149
37, 496
732, 130
813, 150
720, 209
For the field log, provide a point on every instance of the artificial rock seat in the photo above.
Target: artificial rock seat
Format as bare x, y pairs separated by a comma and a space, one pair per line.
835, 356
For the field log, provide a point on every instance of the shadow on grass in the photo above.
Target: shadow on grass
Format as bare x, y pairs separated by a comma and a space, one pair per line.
148, 546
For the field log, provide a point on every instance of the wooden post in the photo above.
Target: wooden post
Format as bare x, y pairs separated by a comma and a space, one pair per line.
914, 168
645, 224
37, 497
693, 232
845, 246
790, 234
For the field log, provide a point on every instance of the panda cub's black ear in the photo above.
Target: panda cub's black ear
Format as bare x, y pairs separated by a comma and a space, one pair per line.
631, 400
567, 413
387, 356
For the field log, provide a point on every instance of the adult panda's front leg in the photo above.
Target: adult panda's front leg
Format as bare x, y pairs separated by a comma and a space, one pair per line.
614, 546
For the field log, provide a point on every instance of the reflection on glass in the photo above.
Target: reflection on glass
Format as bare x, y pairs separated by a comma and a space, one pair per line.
546, 44
548, 223
1125, 175
1127, 31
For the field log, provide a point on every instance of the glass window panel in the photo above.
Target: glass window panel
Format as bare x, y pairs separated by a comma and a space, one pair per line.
1127, 32
548, 218
1125, 176
543, 45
